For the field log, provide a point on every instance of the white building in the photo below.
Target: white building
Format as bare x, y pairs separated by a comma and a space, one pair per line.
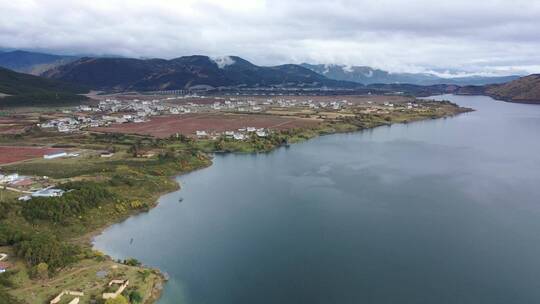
48, 192
25, 198
55, 155
106, 154
6, 179
64, 129
239, 136
201, 133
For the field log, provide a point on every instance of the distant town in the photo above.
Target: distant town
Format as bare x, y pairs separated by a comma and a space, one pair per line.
109, 112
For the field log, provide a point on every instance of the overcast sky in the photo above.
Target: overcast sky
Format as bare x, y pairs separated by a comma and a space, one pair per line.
398, 35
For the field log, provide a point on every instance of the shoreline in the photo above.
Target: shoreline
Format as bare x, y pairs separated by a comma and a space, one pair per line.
501, 98
156, 292
88, 239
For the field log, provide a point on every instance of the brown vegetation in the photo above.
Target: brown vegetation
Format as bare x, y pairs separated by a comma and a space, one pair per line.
523, 90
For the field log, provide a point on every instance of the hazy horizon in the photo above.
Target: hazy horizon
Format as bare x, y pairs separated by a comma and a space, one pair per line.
445, 38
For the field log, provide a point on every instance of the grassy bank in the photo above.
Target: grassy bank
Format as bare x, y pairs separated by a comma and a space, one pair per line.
104, 191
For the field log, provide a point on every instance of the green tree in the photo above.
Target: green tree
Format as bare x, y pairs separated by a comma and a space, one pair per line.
118, 300
132, 262
46, 248
135, 297
42, 270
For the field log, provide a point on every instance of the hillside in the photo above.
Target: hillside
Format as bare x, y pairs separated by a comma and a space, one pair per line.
412, 89
523, 90
24, 89
367, 75
122, 74
32, 62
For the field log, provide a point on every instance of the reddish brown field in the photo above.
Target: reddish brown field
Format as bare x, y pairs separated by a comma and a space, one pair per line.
165, 126
15, 154
15, 124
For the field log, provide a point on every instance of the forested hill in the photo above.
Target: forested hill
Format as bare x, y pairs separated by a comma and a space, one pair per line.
28, 90
523, 90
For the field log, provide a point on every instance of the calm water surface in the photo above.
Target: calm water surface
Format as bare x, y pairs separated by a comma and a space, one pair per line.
442, 211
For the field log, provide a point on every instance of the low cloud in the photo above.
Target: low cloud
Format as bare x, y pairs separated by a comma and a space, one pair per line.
495, 36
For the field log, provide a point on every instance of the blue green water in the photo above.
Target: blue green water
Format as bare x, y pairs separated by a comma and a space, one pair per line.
440, 211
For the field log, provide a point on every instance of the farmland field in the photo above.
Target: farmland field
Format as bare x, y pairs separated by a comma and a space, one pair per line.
12, 154
165, 126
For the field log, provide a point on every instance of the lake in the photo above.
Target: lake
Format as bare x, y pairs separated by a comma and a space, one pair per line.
438, 211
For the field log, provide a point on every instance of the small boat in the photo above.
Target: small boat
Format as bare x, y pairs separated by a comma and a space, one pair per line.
131, 241
180, 200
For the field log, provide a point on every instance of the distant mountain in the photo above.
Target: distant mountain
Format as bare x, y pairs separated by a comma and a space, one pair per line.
31, 62
23, 89
523, 90
412, 89
123, 74
367, 75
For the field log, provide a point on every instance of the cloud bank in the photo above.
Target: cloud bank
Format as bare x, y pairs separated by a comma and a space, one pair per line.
488, 36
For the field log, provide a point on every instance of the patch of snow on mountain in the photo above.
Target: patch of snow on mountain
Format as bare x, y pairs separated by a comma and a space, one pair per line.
223, 61
347, 68
327, 69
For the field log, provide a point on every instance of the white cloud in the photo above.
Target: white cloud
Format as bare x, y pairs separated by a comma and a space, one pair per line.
474, 36
223, 61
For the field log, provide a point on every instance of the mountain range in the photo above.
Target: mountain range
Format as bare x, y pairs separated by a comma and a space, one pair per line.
32, 62
367, 75
70, 74
124, 74
200, 70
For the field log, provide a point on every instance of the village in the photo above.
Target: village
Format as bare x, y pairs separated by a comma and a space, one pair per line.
112, 112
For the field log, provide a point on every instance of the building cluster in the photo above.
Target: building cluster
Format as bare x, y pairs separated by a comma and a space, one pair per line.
388, 107
240, 134
45, 192
328, 105
112, 111
258, 106
8, 179
30, 186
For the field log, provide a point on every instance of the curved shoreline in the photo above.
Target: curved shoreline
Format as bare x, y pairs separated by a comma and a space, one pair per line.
157, 290
158, 286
